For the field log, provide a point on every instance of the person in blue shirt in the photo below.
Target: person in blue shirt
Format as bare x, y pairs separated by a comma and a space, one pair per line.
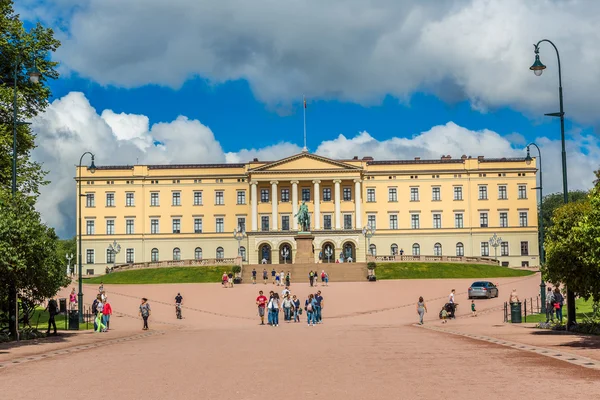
318, 308
254, 276
309, 306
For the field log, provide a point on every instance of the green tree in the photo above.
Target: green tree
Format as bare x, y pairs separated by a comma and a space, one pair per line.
553, 201
30, 256
19, 50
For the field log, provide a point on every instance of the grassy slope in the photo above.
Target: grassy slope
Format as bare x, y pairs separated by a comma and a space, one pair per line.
40, 319
444, 271
583, 307
164, 275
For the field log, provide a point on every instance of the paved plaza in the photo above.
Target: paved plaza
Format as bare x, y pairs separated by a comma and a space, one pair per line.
367, 348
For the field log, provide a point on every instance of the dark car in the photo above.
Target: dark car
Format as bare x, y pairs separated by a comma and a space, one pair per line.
483, 289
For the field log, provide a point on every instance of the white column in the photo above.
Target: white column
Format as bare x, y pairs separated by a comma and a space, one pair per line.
254, 201
357, 204
274, 204
317, 205
294, 204
338, 213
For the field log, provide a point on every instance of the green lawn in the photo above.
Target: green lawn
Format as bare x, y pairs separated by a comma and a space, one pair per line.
164, 275
40, 318
444, 271
583, 307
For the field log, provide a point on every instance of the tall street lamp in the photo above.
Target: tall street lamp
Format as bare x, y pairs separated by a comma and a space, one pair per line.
528, 160
537, 69
239, 235
34, 77
115, 248
92, 169
69, 257
495, 241
368, 232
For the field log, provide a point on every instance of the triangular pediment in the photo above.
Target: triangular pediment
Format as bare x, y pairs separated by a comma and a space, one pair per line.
306, 161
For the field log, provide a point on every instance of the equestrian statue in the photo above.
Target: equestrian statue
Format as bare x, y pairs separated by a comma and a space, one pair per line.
303, 217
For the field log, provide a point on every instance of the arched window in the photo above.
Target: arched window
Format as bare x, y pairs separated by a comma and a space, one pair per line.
394, 249
416, 249
460, 249
243, 253
176, 254
198, 253
220, 253
154, 255
437, 249
373, 250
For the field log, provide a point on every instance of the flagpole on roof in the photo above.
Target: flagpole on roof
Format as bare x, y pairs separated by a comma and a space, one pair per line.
305, 149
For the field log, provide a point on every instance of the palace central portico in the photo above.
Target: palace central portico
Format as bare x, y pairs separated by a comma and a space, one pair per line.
187, 213
332, 192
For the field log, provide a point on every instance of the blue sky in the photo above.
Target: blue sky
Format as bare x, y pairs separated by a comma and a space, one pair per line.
223, 82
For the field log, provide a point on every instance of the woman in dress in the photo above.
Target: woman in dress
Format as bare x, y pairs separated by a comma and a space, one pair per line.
421, 309
73, 300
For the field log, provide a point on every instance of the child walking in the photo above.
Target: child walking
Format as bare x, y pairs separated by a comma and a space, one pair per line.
473, 311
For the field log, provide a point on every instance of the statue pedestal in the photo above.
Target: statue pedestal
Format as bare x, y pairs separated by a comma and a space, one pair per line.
304, 248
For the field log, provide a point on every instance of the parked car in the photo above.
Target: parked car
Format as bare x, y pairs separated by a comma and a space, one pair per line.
483, 289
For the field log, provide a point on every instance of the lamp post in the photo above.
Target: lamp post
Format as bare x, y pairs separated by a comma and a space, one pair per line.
495, 241
285, 253
92, 169
328, 253
541, 222
537, 69
34, 77
69, 258
368, 232
239, 235
115, 248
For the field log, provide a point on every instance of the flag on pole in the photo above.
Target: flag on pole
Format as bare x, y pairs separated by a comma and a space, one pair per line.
304, 103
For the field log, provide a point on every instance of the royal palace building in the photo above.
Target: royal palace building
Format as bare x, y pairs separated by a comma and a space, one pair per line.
443, 207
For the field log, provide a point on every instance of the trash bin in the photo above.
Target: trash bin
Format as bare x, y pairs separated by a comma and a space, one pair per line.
62, 306
515, 312
73, 320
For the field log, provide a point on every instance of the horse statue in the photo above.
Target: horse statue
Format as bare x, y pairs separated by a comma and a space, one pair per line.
303, 217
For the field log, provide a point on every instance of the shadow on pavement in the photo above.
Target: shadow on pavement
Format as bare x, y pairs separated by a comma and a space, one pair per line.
63, 336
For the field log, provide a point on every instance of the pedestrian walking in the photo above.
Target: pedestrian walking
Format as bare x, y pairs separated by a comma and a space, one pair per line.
318, 308
106, 313
309, 306
101, 287
297, 308
326, 279
274, 306
473, 310
265, 276
277, 280
311, 278
145, 312
549, 305
281, 278
99, 322
254, 276
52, 309
288, 279
452, 303
287, 308
224, 279
558, 304
72, 300
273, 273
261, 302
421, 309
269, 315
230, 279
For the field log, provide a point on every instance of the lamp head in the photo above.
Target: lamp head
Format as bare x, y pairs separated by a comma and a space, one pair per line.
537, 66
92, 167
528, 158
34, 74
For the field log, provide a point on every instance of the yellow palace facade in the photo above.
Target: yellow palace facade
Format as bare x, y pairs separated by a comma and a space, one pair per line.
442, 207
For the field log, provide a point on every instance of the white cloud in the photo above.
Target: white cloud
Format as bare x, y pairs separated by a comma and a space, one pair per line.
71, 126
344, 49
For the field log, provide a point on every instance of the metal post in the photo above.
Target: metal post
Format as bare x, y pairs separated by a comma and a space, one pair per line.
541, 224
80, 294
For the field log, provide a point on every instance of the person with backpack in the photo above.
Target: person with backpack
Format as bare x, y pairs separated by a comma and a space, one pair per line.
558, 304
549, 305
309, 306
95, 309
297, 309
52, 309
311, 277
145, 312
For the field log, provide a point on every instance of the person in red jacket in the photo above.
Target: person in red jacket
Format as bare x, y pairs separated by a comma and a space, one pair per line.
106, 313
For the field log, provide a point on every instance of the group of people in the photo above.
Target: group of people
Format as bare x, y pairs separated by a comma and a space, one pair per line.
291, 306
448, 310
227, 280
101, 309
554, 304
313, 278
279, 279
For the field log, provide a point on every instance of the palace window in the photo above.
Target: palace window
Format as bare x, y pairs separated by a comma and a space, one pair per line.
414, 221
347, 194
502, 195
347, 221
198, 253
394, 249
89, 200
285, 222
176, 254
458, 221
373, 250
176, 198
89, 256
197, 225
524, 248
485, 249
326, 221
483, 192
264, 195
89, 227
436, 194
219, 198
458, 194
305, 194
154, 255
110, 256
176, 225
483, 220
437, 249
264, 223
220, 225
504, 249
220, 253
129, 199
416, 249
197, 198
241, 197
243, 253
154, 199
460, 249
241, 224
371, 221
110, 199
393, 221
370, 195
285, 195
437, 221
392, 194
129, 256
129, 227
522, 192
153, 226
110, 226
414, 194
503, 220
523, 218
326, 194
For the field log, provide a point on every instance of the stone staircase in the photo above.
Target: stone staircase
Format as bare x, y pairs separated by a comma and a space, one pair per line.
344, 272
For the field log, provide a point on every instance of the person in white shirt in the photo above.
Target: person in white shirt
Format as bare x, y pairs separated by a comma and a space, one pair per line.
452, 303
285, 292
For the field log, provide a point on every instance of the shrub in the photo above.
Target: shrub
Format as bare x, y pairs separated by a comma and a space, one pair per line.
236, 269
371, 265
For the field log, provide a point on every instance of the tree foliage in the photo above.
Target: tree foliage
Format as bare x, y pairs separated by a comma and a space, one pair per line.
19, 51
553, 201
30, 255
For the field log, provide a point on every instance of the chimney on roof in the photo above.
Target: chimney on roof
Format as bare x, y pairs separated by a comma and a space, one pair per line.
480, 158
448, 157
255, 160
464, 157
417, 158
367, 158
355, 158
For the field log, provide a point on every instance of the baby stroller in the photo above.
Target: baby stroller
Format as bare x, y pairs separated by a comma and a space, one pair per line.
448, 308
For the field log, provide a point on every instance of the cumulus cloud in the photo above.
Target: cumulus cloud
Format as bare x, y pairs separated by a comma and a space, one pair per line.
71, 126
350, 50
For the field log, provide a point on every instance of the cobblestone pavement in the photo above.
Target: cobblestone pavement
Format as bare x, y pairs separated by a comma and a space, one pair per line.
367, 348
